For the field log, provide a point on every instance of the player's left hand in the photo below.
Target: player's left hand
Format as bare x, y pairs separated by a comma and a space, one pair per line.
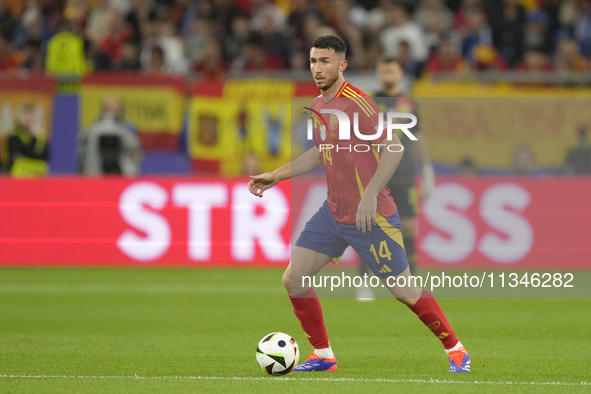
366, 212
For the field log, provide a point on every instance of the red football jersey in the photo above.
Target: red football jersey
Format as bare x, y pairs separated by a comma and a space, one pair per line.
350, 167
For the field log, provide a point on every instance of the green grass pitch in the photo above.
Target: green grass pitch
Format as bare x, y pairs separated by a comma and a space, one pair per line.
195, 331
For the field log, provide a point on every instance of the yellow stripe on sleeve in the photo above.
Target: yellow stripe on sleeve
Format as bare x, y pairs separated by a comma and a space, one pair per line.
363, 101
355, 99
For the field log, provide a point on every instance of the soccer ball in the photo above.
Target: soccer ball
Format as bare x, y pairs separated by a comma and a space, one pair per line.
277, 353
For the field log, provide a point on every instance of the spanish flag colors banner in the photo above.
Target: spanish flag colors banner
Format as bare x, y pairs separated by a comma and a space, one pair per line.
154, 104
231, 120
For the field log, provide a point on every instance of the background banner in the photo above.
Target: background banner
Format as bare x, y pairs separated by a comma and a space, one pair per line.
228, 121
154, 104
513, 222
500, 223
488, 130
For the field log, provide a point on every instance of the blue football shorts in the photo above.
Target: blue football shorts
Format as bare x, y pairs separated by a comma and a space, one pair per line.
382, 247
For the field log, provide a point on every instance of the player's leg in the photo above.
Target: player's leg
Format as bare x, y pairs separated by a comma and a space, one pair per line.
304, 265
383, 249
317, 246
406, 290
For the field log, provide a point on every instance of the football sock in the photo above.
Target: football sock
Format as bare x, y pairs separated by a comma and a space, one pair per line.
309, 313
453, 349
324, 353
429, 312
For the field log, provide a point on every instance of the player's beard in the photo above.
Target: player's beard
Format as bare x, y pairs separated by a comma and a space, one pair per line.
329, 83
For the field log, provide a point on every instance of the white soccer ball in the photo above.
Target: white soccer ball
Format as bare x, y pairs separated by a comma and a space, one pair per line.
277, 353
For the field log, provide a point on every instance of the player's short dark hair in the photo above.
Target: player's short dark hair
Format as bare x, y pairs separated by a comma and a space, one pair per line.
330, 42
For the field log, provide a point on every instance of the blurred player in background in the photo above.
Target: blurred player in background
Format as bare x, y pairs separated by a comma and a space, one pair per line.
110, 145
402, 184
358, 212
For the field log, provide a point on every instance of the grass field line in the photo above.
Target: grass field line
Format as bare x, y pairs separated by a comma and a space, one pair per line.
125, 288
278, 379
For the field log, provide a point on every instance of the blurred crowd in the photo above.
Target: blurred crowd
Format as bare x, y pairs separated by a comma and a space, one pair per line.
212, 37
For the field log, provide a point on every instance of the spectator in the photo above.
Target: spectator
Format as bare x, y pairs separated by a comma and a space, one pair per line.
201, 33
156, 64
376, 17
535, 61
446, 59
110, 145
139, 16
567, 14
32, 57
582, 28
212, 66
435, 19
436, 32
65, 52
401, 28
274, 41
410, 67
254, 58
120, 33
467, 167
26, 152
172, 46
537, 33
9, 59
477, 32
578, 159
129, 60
523, 160
314, 27
508, 31
568, 58
239, 34
340, 12
100, 22
348, 11
262, 11
8, 22
430, 7
461, 15
296, 19
487, 58
30, 28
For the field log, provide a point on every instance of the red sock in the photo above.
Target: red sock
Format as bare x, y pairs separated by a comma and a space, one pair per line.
429, 312
309, 313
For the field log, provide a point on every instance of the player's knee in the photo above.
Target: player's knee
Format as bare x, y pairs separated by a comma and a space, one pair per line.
287, 280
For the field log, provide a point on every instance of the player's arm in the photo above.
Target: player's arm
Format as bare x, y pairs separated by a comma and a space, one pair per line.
305, 163
366, 210
421, 150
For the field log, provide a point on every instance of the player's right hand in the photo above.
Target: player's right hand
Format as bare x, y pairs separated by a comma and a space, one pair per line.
259, 183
